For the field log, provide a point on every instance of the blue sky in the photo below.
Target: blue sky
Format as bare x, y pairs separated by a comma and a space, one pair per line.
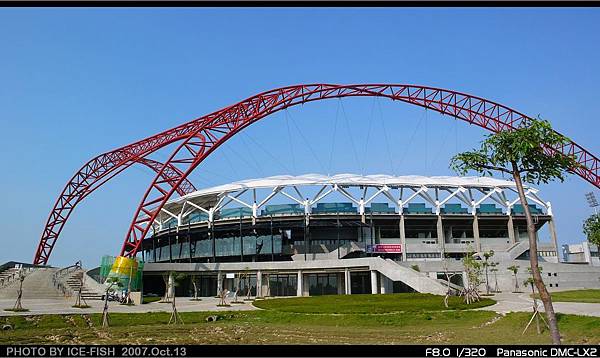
78, 82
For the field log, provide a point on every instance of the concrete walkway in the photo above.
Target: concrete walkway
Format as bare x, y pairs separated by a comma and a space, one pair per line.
522, 302
63, 306
507, 302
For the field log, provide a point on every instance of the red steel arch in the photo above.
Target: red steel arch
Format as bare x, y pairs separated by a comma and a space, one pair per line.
69, 199
201, 136
214, 129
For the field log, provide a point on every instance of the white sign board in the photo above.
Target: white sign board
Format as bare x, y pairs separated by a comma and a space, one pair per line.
230, 275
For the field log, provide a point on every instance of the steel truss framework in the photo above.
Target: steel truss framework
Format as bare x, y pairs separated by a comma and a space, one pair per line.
70, 197
359, 194
200, 137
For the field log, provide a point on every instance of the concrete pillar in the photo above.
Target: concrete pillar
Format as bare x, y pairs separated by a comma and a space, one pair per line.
171, 284
219, 282
382, 283
440, 234
552, 229
511, 230
476, 233
347, 284
403, 238
374, 282
258, 283
300, 284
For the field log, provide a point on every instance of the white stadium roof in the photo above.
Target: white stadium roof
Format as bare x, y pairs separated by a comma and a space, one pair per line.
471, 191
351, 180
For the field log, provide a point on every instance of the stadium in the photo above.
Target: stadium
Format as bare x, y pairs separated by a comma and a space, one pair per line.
320, 234
341, 249
346, 234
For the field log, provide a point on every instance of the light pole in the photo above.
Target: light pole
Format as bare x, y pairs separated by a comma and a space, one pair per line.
592, 202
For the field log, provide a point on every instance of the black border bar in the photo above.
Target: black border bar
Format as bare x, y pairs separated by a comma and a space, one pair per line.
299, 351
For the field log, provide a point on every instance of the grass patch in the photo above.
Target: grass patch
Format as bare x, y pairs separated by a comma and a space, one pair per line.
150, 299
368, 304
355, 319
276, 327
586, 296
16, 309
81, 306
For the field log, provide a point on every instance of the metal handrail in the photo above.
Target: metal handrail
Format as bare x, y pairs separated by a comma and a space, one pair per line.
6, 281
57, 278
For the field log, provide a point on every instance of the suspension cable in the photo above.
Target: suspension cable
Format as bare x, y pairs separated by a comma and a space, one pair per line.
412, 137
364, 153
285, 168
307, 143
426, 143
253, 158
329, 166
441, 148
385, 136
350, 134
287, 124
233, 170
248, 163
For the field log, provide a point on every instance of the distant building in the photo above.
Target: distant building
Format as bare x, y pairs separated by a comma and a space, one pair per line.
583, 253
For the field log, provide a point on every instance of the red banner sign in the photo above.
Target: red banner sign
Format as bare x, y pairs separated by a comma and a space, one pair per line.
386, 248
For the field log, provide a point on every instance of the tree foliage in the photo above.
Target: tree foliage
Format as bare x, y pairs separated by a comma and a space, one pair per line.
527, 154
521, 147
591, 228
472, 268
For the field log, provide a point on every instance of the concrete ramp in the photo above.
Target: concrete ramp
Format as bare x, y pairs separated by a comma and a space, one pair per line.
344, 251
417, 280
37, 284
512, 253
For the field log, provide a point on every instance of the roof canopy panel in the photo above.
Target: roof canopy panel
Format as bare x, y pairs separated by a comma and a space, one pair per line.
349, 180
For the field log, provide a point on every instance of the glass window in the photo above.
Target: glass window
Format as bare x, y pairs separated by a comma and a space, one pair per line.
322, 284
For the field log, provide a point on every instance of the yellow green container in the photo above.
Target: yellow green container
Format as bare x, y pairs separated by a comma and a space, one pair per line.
125, 269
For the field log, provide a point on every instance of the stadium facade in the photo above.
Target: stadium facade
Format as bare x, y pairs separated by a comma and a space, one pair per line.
347, 234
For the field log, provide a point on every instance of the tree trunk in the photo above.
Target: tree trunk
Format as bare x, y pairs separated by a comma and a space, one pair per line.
487, 285
195, 289
533, 259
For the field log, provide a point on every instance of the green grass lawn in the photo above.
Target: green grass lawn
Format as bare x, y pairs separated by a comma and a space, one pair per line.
587, 296
410, 319
150, 299
368, 304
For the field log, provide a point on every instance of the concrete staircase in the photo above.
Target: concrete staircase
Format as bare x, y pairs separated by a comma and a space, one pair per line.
513, 252
417, 280
89, 291
8, 276
37, 285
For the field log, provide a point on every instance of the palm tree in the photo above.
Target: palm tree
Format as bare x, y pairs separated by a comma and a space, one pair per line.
487, 255
495, 271
514, 269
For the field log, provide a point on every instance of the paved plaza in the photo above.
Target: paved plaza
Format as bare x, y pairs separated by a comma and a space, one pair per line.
522, 302
63, 306
507, 302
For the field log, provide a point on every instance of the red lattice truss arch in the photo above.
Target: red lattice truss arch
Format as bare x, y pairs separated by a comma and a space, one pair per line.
89, 178
200, 137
